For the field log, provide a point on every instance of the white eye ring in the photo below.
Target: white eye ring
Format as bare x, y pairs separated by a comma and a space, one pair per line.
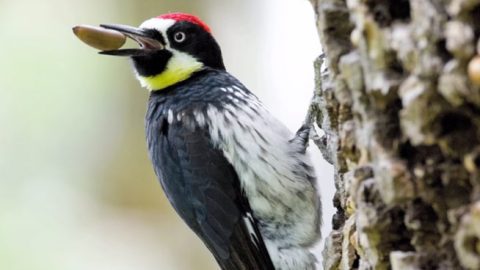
179, 37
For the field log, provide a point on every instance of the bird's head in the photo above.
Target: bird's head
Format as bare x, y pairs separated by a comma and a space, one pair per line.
172, 47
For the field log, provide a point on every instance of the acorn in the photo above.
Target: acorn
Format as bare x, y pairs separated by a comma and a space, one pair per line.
99, 37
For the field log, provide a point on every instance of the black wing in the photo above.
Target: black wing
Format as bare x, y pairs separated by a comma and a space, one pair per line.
204, 189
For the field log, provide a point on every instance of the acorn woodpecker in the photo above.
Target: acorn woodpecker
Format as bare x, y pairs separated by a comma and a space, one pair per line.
236, 175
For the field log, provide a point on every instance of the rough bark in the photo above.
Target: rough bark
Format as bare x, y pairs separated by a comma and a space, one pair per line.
402, 127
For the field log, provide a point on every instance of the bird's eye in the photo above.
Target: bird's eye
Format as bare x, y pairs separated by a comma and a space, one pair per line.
179, 37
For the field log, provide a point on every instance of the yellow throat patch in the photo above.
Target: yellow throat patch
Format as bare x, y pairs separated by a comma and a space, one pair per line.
180, 67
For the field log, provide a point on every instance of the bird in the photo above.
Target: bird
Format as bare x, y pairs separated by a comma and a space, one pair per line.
238, 177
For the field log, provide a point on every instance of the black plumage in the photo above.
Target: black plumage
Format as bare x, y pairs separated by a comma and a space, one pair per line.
201, 184
232, 171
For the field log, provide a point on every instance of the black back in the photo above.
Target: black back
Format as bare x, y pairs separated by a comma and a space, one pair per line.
201, 184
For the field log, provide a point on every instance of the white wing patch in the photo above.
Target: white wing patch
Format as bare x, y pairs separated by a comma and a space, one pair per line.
259, 148
273, 170
170, 116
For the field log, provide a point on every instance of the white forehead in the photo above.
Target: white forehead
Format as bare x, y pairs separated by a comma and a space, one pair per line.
161, 25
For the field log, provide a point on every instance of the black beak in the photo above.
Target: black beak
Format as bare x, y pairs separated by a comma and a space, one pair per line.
148, 39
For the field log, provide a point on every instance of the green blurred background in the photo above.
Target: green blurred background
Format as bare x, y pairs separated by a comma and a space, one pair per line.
76, 188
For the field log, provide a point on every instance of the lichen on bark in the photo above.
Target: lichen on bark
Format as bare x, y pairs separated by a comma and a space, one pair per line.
400, 107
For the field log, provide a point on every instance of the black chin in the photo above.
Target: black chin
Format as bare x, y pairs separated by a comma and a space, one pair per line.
151, 63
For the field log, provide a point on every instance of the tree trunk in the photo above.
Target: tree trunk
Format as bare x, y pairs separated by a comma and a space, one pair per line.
399, 102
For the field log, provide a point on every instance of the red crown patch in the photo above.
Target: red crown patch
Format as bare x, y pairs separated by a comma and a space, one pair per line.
186, 17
